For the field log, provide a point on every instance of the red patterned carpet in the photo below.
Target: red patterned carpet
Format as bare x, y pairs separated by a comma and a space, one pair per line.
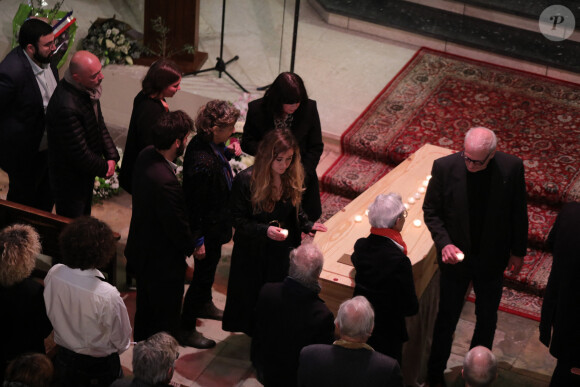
435, 99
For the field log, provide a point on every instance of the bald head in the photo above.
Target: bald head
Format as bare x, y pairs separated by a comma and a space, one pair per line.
479, 367
85, 68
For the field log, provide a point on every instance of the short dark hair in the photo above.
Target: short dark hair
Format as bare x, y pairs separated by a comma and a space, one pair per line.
171, 126
31, 31
87, 243
287, 88
215, 113
30, 369
161, 74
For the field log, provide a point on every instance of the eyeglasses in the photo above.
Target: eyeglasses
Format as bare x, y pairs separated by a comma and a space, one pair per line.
404, 214
478, 163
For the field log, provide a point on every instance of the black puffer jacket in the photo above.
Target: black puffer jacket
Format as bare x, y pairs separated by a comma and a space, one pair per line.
78, 145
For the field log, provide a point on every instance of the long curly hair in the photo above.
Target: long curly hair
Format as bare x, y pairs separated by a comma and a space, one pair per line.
215, 113
274, 143
19, 246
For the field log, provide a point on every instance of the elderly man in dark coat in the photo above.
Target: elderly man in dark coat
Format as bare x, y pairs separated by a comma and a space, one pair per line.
27, 81
79, 144
290, 316
349, 362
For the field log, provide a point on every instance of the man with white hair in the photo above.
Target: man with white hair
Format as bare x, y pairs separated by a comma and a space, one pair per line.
349, 361
290, 316
475, 208
479, 367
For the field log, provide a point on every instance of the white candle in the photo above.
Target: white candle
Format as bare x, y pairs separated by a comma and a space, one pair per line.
358, 218
367, 212
417, 223
428, 177
421, 190
425, 183
406, 206
411, 200
285, 232
417, 195
460, 256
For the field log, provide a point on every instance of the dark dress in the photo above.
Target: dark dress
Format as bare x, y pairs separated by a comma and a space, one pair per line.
305, 126
207, 179
257, 259
25, 323
384, 275
146, 111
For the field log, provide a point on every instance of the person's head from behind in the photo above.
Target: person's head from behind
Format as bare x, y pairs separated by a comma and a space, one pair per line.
479, 148
87, 243
37, 40
479, 367
286, 94
215, 121
154, 359
19, 246
172, 129
162, 79
355, 320
85, 69
388, 211
278, 156
30, 370
306, 264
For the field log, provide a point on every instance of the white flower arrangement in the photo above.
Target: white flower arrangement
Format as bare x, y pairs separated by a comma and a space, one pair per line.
113, 42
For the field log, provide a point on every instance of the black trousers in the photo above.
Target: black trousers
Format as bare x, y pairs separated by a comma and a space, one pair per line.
76, 370
454, 283
29, 183
563, 376
199, 291
74, 200
158, 305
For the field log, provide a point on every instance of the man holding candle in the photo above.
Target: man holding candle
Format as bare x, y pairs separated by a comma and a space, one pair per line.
475, 205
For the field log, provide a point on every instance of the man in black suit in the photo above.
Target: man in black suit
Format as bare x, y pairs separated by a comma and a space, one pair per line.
79, 144
27, 81
290, 316
475, 208
349, 362
159, 235
560, 321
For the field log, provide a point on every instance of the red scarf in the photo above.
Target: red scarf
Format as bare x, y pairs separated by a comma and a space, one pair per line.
391, 234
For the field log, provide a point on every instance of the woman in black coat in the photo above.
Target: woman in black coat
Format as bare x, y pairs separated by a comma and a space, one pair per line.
24, 324
286, 105
384, 275
161, 82
207, 182
268, 222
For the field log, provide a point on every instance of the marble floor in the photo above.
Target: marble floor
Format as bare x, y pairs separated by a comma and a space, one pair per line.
343, 69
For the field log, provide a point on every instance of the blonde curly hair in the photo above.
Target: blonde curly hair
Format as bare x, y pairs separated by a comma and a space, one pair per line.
19, 246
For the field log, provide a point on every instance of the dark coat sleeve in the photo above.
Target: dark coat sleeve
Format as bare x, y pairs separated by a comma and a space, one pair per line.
255, 127
309, 134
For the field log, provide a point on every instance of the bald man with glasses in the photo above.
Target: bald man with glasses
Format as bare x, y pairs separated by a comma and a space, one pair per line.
475, 209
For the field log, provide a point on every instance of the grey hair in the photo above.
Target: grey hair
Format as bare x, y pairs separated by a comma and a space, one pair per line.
19, 246
481, 138
385, 210
479, 367
154, 357
306, 264
356, 318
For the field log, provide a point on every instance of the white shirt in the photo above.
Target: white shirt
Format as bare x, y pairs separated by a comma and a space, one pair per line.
88, 315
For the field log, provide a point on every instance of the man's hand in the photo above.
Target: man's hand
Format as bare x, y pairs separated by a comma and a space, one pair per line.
111, 171
236, 148
199, 253
449, 254
515, 264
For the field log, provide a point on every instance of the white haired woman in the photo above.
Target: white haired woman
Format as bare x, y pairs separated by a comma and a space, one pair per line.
384, 275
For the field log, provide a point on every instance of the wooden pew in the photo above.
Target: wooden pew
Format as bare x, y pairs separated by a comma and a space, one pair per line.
49, 227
